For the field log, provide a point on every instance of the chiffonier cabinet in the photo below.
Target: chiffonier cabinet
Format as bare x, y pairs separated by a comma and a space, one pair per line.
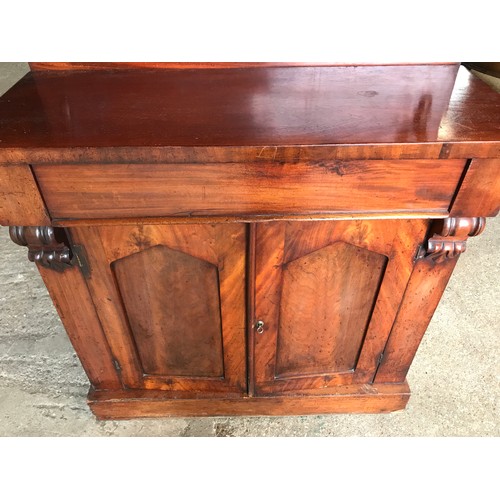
245, 239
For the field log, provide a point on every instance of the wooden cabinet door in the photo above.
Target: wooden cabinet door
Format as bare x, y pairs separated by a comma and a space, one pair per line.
171, 300
327, 293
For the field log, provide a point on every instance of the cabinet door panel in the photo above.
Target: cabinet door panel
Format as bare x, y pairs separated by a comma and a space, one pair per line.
326, 300
181, 332
173, 307
328, 293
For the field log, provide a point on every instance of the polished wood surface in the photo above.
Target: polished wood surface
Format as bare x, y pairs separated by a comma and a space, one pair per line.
171, 300
242, 239
106, 191
258, 106
392, 246
282, 114
473, 113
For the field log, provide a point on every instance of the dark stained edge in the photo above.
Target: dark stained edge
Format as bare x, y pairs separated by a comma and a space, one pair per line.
376, 299
40, 192
445, 150
459, 185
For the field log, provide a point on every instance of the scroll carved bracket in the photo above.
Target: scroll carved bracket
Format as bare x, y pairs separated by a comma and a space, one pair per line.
47, 246
450, 237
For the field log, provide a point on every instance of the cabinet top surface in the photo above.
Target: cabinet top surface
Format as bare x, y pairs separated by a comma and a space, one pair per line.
258, 106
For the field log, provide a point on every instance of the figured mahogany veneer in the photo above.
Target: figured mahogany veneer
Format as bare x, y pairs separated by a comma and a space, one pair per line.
170, 340
244, 239
321, 282
248, 189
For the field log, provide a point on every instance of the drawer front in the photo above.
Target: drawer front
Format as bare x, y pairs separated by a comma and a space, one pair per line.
328, 187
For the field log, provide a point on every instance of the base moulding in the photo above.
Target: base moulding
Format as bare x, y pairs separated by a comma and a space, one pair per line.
365, 398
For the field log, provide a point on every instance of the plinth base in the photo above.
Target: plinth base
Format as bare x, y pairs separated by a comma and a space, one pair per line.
366, 398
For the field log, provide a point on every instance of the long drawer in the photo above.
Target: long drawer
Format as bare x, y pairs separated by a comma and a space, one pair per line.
248, 189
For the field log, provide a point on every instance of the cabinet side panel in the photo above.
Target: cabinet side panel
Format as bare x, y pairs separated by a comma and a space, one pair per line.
76, 310
479, 194
425, 288
20, 201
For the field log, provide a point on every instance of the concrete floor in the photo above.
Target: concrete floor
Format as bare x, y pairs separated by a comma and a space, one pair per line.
454, 378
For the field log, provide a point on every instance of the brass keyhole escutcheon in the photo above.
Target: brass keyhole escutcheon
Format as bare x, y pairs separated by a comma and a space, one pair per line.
259, 327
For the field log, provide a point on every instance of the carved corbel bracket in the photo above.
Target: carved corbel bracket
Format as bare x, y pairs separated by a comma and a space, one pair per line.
47, 246
450, 236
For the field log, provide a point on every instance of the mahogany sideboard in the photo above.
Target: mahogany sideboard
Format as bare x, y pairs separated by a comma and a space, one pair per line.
245, 239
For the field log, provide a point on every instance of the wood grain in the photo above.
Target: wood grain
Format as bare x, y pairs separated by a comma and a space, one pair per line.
279, 243
231, 246
270, 242
108, 304
20, 201
263, 106
74, 305
172, 303
102, 191
232, 154
46, 118
252, 219
376, 398
154, 166
427, 283
479, 194
425, 288
251, 258
133, 328
326, 301
470, 115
